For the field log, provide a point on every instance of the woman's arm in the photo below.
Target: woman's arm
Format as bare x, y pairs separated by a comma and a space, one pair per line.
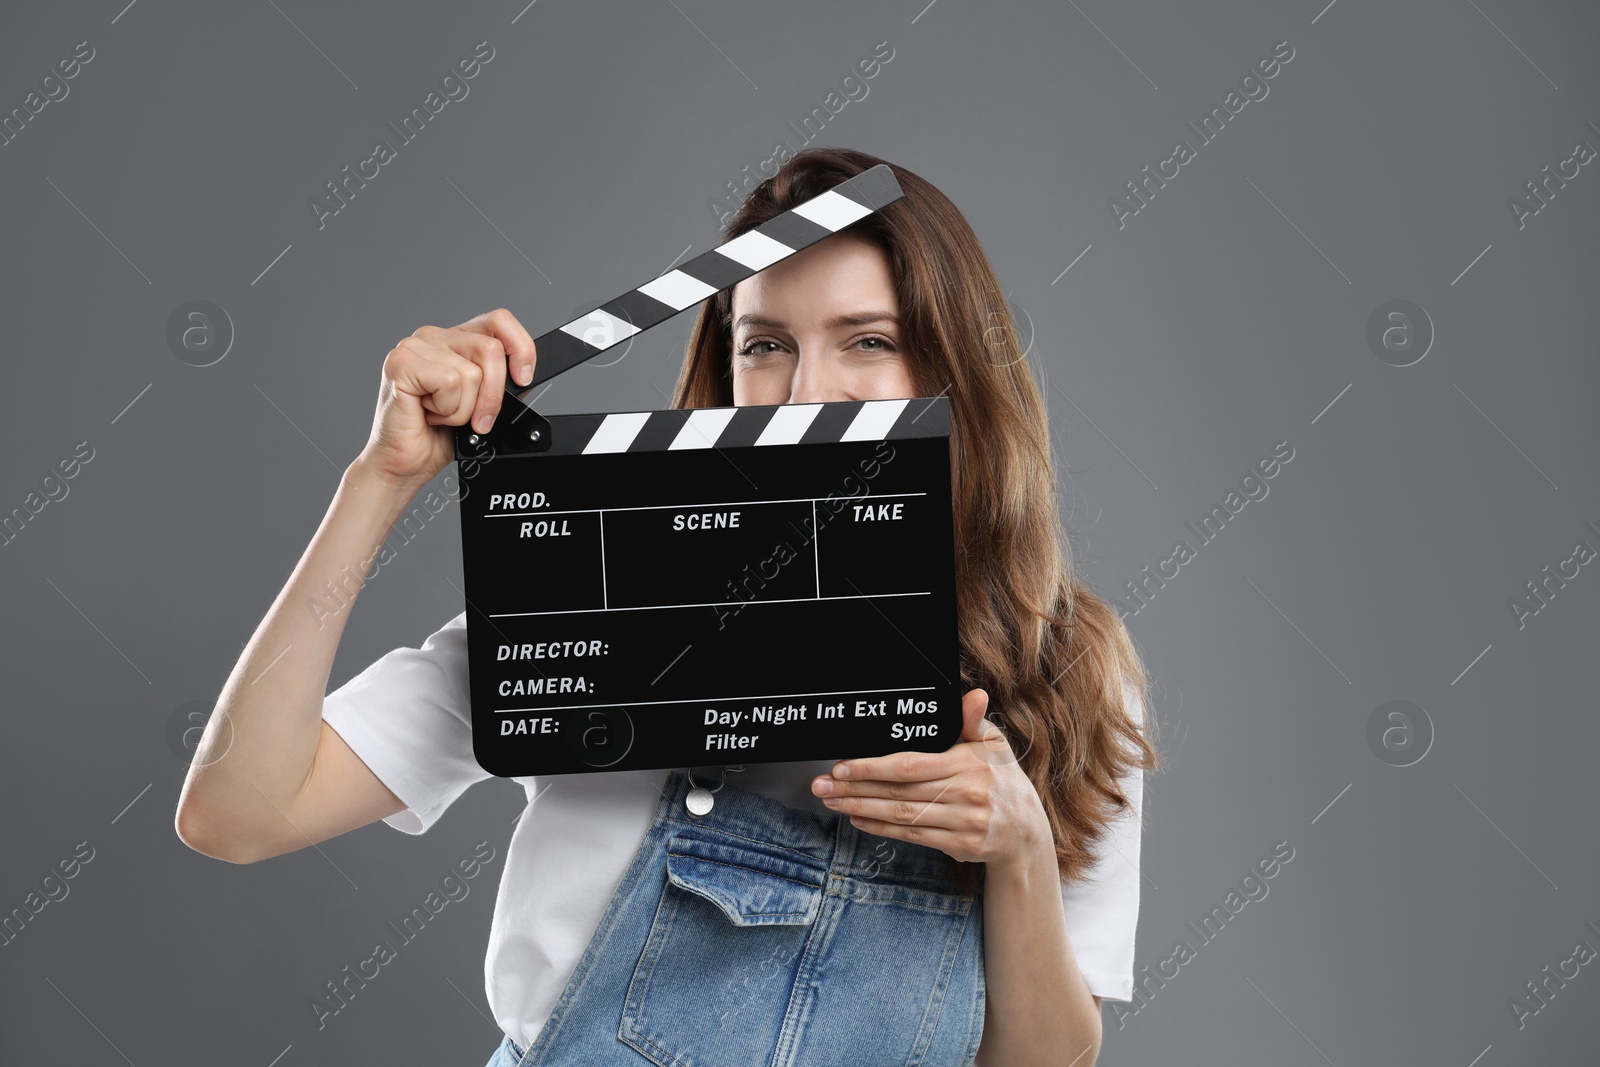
269, 775
1039, 1009
249, 793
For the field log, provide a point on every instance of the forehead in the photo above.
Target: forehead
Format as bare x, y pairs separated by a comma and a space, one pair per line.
838, 271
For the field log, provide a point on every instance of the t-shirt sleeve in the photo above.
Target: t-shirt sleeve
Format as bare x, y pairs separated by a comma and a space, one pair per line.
408, 717
1102, 909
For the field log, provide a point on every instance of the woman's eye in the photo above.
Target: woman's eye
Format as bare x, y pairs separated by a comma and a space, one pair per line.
866, 344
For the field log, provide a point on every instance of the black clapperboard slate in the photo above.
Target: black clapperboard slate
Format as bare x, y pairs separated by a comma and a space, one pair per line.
711, 586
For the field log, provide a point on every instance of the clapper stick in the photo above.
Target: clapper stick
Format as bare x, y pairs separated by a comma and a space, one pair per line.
763, 583
677, 290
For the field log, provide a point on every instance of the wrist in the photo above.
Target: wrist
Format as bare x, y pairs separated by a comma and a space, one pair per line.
1033, 863
361, 479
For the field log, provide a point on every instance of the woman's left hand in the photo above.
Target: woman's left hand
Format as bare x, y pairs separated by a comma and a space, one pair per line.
971, 801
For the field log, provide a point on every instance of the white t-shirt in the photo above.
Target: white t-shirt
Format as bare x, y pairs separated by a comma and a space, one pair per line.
408, 717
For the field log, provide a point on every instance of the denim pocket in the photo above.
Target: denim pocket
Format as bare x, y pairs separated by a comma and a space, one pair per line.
753, 883
715, 977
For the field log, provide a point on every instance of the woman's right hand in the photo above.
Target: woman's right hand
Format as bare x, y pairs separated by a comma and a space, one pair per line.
437, 379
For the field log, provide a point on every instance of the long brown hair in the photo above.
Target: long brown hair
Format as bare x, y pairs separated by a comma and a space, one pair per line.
1053, 656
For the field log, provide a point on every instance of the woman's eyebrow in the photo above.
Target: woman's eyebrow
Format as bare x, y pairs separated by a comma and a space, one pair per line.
860, 318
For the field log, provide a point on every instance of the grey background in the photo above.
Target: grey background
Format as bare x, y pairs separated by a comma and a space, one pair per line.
1228, 315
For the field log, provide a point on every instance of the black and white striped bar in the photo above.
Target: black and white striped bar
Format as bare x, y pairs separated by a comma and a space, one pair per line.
728, 264
749, 426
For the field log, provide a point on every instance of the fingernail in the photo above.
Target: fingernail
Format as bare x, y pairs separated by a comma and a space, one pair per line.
823, 786
484, 422
525, 374
841, 771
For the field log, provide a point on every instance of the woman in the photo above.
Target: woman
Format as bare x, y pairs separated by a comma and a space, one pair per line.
916, 907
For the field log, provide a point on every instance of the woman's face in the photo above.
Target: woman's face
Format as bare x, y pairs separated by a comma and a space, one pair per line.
819, 326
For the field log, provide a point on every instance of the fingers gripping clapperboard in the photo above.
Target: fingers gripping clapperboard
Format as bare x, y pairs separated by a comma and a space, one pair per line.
709, 586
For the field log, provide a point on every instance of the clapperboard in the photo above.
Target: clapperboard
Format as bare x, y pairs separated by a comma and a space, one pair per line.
711, 586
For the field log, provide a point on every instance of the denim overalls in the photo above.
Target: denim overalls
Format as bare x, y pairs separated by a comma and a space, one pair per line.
759, 935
